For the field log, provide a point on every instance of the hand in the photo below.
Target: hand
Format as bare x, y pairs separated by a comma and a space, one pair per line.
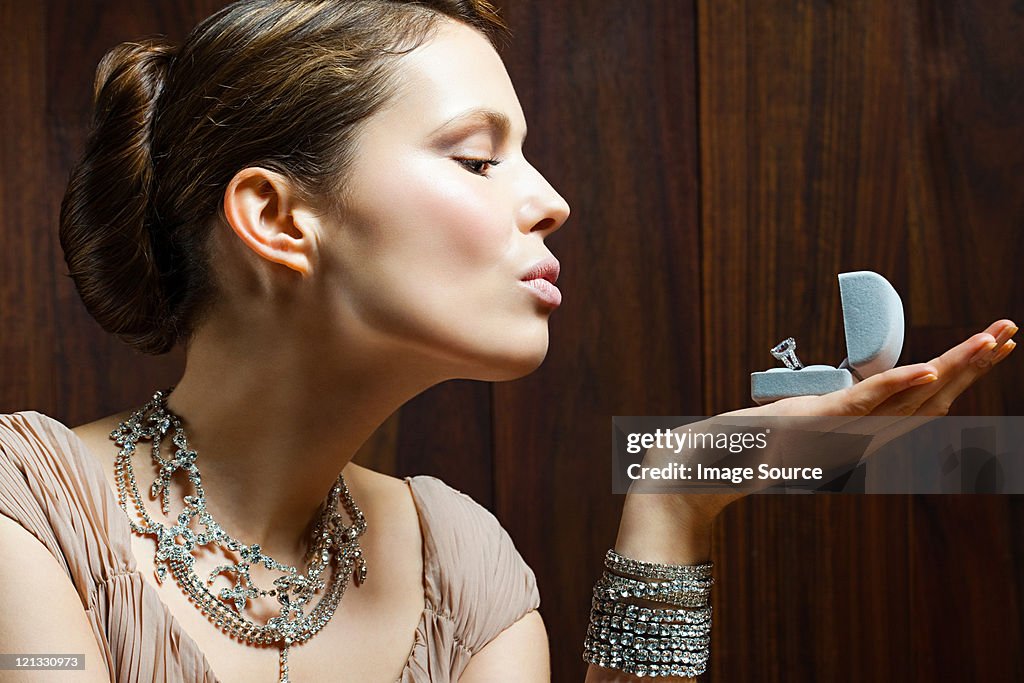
924, 389
927, 389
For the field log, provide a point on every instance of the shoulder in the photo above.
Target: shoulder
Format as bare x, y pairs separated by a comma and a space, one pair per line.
50, 487
34, 455
473, 572
24, 426
40, 452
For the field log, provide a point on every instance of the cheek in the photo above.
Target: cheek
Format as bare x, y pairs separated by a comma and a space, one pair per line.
448, 223
429, 243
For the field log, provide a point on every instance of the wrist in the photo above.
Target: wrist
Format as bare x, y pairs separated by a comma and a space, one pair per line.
660, 528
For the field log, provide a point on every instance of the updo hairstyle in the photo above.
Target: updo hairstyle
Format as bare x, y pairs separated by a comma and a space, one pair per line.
280, 84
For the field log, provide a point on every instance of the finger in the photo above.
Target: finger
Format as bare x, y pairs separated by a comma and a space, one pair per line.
1000, 326
940, 403
983, 361
952, 366
865, 396
960, 377
1001, 339
923, 403
1009, 346
995, 335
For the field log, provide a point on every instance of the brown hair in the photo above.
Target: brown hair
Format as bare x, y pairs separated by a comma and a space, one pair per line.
281, 84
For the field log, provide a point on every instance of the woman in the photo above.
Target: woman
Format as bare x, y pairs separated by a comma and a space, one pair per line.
327, 203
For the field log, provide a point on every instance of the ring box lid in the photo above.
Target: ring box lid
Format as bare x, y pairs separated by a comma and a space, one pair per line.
873, 319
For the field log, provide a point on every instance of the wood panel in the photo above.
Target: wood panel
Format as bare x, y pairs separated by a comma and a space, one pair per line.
842, 136
966, 214
965, 223
801, 178
724, 161
444, 432
26, 280
803, 148
608, 89
94, 373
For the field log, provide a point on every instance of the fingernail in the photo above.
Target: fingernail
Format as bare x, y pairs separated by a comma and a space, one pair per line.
1006, 334
1004, 351
997, 352
981, 357
924, 379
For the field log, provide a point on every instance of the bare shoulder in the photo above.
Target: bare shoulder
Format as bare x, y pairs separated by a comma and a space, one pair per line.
96, 438
96, 434
386, 500
378, 481
103, 425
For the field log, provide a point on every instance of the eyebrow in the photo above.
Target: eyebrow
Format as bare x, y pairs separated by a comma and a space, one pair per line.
480, 118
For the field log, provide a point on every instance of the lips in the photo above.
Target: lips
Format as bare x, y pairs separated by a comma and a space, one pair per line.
546, 269
541, 278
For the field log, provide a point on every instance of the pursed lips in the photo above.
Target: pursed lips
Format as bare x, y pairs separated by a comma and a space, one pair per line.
541, 278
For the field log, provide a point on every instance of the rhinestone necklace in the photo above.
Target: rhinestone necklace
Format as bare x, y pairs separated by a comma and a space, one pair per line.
333, 542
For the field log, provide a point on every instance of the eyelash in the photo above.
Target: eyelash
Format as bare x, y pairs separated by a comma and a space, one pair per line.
469, 164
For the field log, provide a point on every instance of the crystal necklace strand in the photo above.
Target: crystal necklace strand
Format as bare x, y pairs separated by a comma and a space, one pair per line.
333, 542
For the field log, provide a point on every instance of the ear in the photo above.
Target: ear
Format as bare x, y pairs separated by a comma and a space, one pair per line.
264, 210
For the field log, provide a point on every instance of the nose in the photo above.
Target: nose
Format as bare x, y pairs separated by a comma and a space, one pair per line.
544, 210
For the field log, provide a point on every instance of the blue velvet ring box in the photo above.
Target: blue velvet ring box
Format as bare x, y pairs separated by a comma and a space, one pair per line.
873, 320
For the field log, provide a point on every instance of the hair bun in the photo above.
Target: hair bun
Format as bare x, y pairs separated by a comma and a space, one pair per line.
277, 84
105, 218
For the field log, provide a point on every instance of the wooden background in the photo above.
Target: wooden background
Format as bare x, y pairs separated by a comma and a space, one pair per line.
724, 160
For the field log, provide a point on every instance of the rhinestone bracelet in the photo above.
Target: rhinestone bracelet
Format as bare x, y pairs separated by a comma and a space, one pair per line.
650, 641
627, 639
666, 663
625, 624
653, 570
652, 615
678, 592
677, 585
679, 654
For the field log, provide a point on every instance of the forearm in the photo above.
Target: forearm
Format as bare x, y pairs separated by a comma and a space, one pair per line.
652, 530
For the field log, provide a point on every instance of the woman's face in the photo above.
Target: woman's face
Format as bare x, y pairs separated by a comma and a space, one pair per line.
430, 254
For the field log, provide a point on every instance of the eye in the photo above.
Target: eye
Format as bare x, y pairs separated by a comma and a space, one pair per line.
477, 166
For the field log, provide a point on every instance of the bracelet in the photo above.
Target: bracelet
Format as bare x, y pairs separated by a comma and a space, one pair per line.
653, 570
678, 592
642, 663
626, 625
625, 639
657, 652
650, 641
652, 615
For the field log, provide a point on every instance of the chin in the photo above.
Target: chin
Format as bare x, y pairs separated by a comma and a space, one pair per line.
506, 368
515, 372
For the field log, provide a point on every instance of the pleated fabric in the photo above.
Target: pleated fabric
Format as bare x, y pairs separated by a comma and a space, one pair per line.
476, 583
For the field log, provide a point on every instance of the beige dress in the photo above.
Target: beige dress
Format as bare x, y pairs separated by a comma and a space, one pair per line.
475, 581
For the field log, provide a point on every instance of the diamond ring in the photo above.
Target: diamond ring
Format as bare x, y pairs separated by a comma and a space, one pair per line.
786, 352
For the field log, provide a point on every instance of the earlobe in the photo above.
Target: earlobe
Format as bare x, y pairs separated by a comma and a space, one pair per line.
259, 205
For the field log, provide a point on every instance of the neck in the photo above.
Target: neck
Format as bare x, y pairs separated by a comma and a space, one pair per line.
272, 431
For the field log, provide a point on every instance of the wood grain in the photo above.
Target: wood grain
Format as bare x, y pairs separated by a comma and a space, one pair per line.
609, 92
26, 280
847, 136
94, 374
724, 160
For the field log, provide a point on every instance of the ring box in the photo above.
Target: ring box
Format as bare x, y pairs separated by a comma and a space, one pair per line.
874, 326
